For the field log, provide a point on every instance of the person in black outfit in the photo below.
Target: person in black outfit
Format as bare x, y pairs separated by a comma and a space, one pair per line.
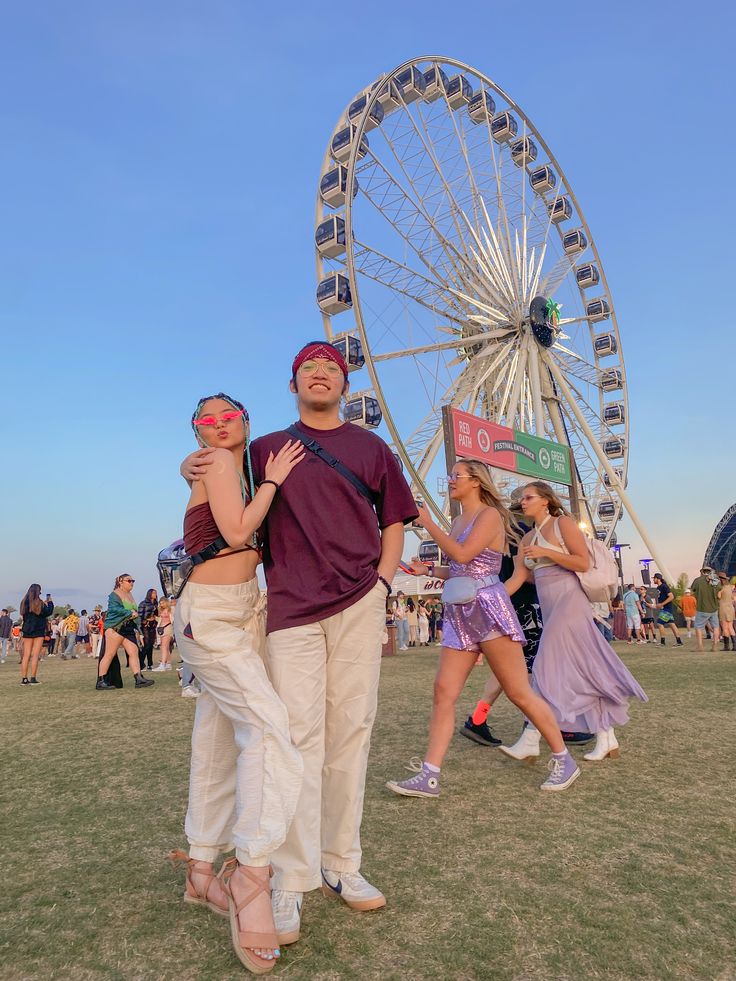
148, 612
35, 613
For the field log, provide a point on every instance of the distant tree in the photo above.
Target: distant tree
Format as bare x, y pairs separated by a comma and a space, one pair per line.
680, 586
10, 609
62, 611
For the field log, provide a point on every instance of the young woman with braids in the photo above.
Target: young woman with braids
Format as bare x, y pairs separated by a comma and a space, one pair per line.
245, 775
476, 544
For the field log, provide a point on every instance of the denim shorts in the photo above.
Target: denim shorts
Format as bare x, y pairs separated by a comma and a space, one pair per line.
702, 619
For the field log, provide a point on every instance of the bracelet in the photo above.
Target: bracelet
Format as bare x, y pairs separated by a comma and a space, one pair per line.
387, 584
277, 486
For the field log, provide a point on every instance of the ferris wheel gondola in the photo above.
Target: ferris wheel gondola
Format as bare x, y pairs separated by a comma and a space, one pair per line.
462, 219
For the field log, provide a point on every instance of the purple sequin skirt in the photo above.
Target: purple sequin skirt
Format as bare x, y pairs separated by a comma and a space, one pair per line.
489, 616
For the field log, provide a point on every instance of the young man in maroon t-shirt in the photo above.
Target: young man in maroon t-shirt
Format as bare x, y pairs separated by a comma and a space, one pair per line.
329, 557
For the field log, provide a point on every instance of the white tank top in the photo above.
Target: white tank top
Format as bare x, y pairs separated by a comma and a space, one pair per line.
539, 539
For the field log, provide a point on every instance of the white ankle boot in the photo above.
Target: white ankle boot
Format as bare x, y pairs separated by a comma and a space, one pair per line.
606, 746
526, 747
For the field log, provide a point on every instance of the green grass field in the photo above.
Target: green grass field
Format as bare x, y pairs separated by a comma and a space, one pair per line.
627, 875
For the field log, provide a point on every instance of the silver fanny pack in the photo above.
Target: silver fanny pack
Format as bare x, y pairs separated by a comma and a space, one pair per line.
460, 590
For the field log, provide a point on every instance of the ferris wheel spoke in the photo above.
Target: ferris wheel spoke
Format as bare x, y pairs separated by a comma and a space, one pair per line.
442, 235
462, 340
566, 321
513, 410
405, 213
578, 367
513, 382
556, 275
451, 302
593, 417
455, 394
534, 274
489, 256
584, 404
456, 120
458, 216
506, 352
401, 279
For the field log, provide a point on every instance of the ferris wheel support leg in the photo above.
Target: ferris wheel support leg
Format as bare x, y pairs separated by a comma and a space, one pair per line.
539, 421
625, 500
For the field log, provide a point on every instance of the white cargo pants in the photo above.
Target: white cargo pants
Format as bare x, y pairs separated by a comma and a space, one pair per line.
245, 773
327, 674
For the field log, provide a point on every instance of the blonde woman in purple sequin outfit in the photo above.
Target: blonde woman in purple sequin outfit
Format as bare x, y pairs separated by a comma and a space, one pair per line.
488, 624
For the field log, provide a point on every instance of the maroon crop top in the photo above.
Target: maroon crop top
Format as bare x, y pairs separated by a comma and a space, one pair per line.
200, 529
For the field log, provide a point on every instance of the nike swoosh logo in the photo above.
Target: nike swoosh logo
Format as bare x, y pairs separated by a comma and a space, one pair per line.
337, 888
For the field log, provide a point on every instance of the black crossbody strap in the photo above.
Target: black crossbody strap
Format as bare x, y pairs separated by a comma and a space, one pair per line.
331, 461
213, 550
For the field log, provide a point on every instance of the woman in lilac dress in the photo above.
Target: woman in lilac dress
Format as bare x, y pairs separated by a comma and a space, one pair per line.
576, 671
487, 624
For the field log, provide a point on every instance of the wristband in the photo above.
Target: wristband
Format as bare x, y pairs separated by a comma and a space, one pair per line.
277, 486
386, 583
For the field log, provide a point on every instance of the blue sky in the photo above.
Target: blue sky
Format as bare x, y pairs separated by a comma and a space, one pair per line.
159, 169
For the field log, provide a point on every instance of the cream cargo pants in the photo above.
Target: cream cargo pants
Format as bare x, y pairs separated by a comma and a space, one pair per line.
245, 773
327, 675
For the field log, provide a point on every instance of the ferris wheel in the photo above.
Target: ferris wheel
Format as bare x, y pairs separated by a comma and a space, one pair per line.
455, 267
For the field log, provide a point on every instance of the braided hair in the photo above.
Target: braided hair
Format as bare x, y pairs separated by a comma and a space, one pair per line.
246, 419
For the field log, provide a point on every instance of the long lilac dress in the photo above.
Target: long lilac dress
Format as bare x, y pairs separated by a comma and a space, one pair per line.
576, 671
490, 615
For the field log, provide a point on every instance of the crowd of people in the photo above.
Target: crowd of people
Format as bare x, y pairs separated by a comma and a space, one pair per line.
417, 623
70, 635
285, 710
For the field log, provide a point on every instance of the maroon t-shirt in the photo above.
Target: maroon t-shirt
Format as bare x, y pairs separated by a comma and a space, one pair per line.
322, 537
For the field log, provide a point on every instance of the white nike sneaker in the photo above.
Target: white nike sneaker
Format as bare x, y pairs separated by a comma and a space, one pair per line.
353, 889
287, 914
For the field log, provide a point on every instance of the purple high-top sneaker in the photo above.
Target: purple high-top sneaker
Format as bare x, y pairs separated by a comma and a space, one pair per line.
424, 784
563, 771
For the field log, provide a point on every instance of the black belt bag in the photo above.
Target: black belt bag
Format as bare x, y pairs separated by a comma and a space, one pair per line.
175, 566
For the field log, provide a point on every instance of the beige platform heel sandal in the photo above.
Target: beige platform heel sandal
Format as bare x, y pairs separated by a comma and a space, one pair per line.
245, 942
197, 897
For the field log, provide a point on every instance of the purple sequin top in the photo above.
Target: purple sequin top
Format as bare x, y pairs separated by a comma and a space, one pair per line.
490, 615
486, 563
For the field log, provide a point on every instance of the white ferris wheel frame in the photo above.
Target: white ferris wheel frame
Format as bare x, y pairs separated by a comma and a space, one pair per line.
616, 486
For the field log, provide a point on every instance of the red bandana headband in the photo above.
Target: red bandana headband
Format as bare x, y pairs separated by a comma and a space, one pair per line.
319, 350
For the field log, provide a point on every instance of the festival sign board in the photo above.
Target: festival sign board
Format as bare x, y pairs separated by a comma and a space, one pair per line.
416, 585
510, 449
